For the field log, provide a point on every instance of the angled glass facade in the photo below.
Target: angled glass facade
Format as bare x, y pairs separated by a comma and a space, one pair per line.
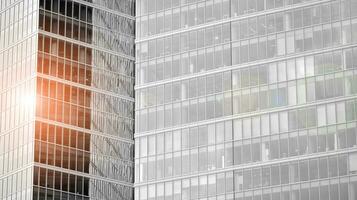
67, 99
18, 47
246, 99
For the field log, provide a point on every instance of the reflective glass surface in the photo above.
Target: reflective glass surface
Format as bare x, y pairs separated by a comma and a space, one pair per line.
66, 99
246, 99
18, 43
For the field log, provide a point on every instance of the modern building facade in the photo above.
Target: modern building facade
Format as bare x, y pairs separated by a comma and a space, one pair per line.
67, 99
246, 99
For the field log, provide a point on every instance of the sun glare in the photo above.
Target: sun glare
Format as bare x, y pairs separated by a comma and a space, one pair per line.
28, 100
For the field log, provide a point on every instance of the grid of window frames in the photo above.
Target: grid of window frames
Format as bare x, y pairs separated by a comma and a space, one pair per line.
262, 138
80, 24
291, 82
256, 38
246, 100
322, 178
84, 128
159, 16
124, 7
18, 22
72, 62
56, 185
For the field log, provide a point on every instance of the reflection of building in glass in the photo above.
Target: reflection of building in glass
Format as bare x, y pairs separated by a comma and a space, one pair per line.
66, 99
246, 99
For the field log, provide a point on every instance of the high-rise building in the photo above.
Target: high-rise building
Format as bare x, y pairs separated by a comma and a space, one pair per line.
246, 99
67, 99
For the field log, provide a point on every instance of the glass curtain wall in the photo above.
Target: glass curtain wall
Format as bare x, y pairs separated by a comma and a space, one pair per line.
246, 99
18, 46
66, 99
85, 104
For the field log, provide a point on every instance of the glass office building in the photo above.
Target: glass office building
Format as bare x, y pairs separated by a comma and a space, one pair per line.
66, 99
18, 42
246, 99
